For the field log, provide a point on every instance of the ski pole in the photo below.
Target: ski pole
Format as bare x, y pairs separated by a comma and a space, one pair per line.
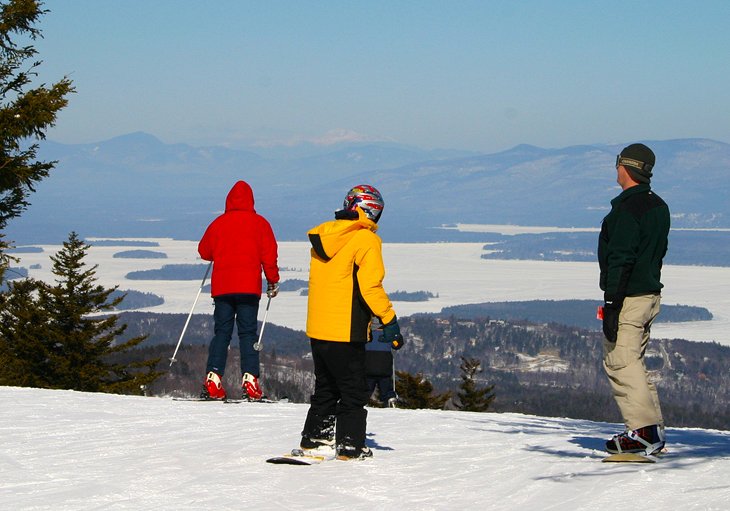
257, 345
394, 391
202, 284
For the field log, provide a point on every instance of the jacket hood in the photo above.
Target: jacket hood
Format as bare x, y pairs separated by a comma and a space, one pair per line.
328, 238
240, 198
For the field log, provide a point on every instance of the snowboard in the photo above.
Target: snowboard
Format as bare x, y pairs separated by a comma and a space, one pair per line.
629, 457
299, 457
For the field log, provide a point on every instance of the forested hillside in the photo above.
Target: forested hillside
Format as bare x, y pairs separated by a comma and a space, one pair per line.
549, 369
578, 313
285, 364
544, 369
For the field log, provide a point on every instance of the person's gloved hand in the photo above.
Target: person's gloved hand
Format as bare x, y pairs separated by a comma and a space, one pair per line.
611, 310
272, 289
392, 335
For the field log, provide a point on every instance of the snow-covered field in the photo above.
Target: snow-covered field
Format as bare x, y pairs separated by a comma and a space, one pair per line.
453, 271
64, 450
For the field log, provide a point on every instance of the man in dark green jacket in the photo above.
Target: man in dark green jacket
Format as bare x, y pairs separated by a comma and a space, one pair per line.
631, 246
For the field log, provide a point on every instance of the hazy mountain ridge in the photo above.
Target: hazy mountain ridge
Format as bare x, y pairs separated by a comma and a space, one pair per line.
136, 185
563, 187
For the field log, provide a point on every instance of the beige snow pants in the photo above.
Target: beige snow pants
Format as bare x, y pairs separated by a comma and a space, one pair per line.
623, 361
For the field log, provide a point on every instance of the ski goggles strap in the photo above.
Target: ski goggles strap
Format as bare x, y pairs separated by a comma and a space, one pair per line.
630, 162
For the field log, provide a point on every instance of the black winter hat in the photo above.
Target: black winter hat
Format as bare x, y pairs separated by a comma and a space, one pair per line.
639, 161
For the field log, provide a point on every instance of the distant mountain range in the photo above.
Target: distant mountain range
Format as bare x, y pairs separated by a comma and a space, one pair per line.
135, 185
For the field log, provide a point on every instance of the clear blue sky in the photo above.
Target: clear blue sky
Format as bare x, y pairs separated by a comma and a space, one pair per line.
481, 75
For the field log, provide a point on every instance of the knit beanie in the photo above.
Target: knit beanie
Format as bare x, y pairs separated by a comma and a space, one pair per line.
639, 161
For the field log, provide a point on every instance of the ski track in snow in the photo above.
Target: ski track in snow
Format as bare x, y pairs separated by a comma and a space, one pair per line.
64, 450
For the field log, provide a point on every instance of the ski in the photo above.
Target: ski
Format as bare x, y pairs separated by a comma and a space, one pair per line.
299, 457
247, 400
224, 401
204, 400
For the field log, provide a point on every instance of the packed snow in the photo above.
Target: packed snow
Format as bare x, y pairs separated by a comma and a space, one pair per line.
65, 450
455, 272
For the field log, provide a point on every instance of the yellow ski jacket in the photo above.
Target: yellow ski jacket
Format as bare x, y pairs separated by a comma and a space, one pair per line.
346, 281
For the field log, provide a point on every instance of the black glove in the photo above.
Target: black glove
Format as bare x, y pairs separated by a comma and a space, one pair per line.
611, 309
272, 289
392, 335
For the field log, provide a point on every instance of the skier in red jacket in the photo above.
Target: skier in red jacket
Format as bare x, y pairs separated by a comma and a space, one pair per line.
240, 243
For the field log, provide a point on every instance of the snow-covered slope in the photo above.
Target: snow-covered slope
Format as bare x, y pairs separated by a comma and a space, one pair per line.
64, 450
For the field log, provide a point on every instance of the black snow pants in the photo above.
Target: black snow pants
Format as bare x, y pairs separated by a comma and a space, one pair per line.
340, 393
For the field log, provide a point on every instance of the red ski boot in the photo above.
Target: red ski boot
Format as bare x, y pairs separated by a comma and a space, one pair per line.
213, 387
251, 387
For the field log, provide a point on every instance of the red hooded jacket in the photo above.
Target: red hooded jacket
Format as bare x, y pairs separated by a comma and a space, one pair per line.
240, 243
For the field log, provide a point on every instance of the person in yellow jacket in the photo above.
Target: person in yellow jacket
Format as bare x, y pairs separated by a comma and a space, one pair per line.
345, 295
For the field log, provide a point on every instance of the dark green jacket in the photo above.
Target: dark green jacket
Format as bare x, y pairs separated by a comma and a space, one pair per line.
633, 242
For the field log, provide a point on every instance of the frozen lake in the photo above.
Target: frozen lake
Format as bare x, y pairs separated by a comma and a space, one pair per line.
453, 271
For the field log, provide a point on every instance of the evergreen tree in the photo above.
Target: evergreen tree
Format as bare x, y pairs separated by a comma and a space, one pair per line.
415, 392
25, 113
56, 336
83, 340
472, 398
24, 355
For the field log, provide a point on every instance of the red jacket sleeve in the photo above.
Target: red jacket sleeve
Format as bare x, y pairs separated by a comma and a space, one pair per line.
269, 252
205, 247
